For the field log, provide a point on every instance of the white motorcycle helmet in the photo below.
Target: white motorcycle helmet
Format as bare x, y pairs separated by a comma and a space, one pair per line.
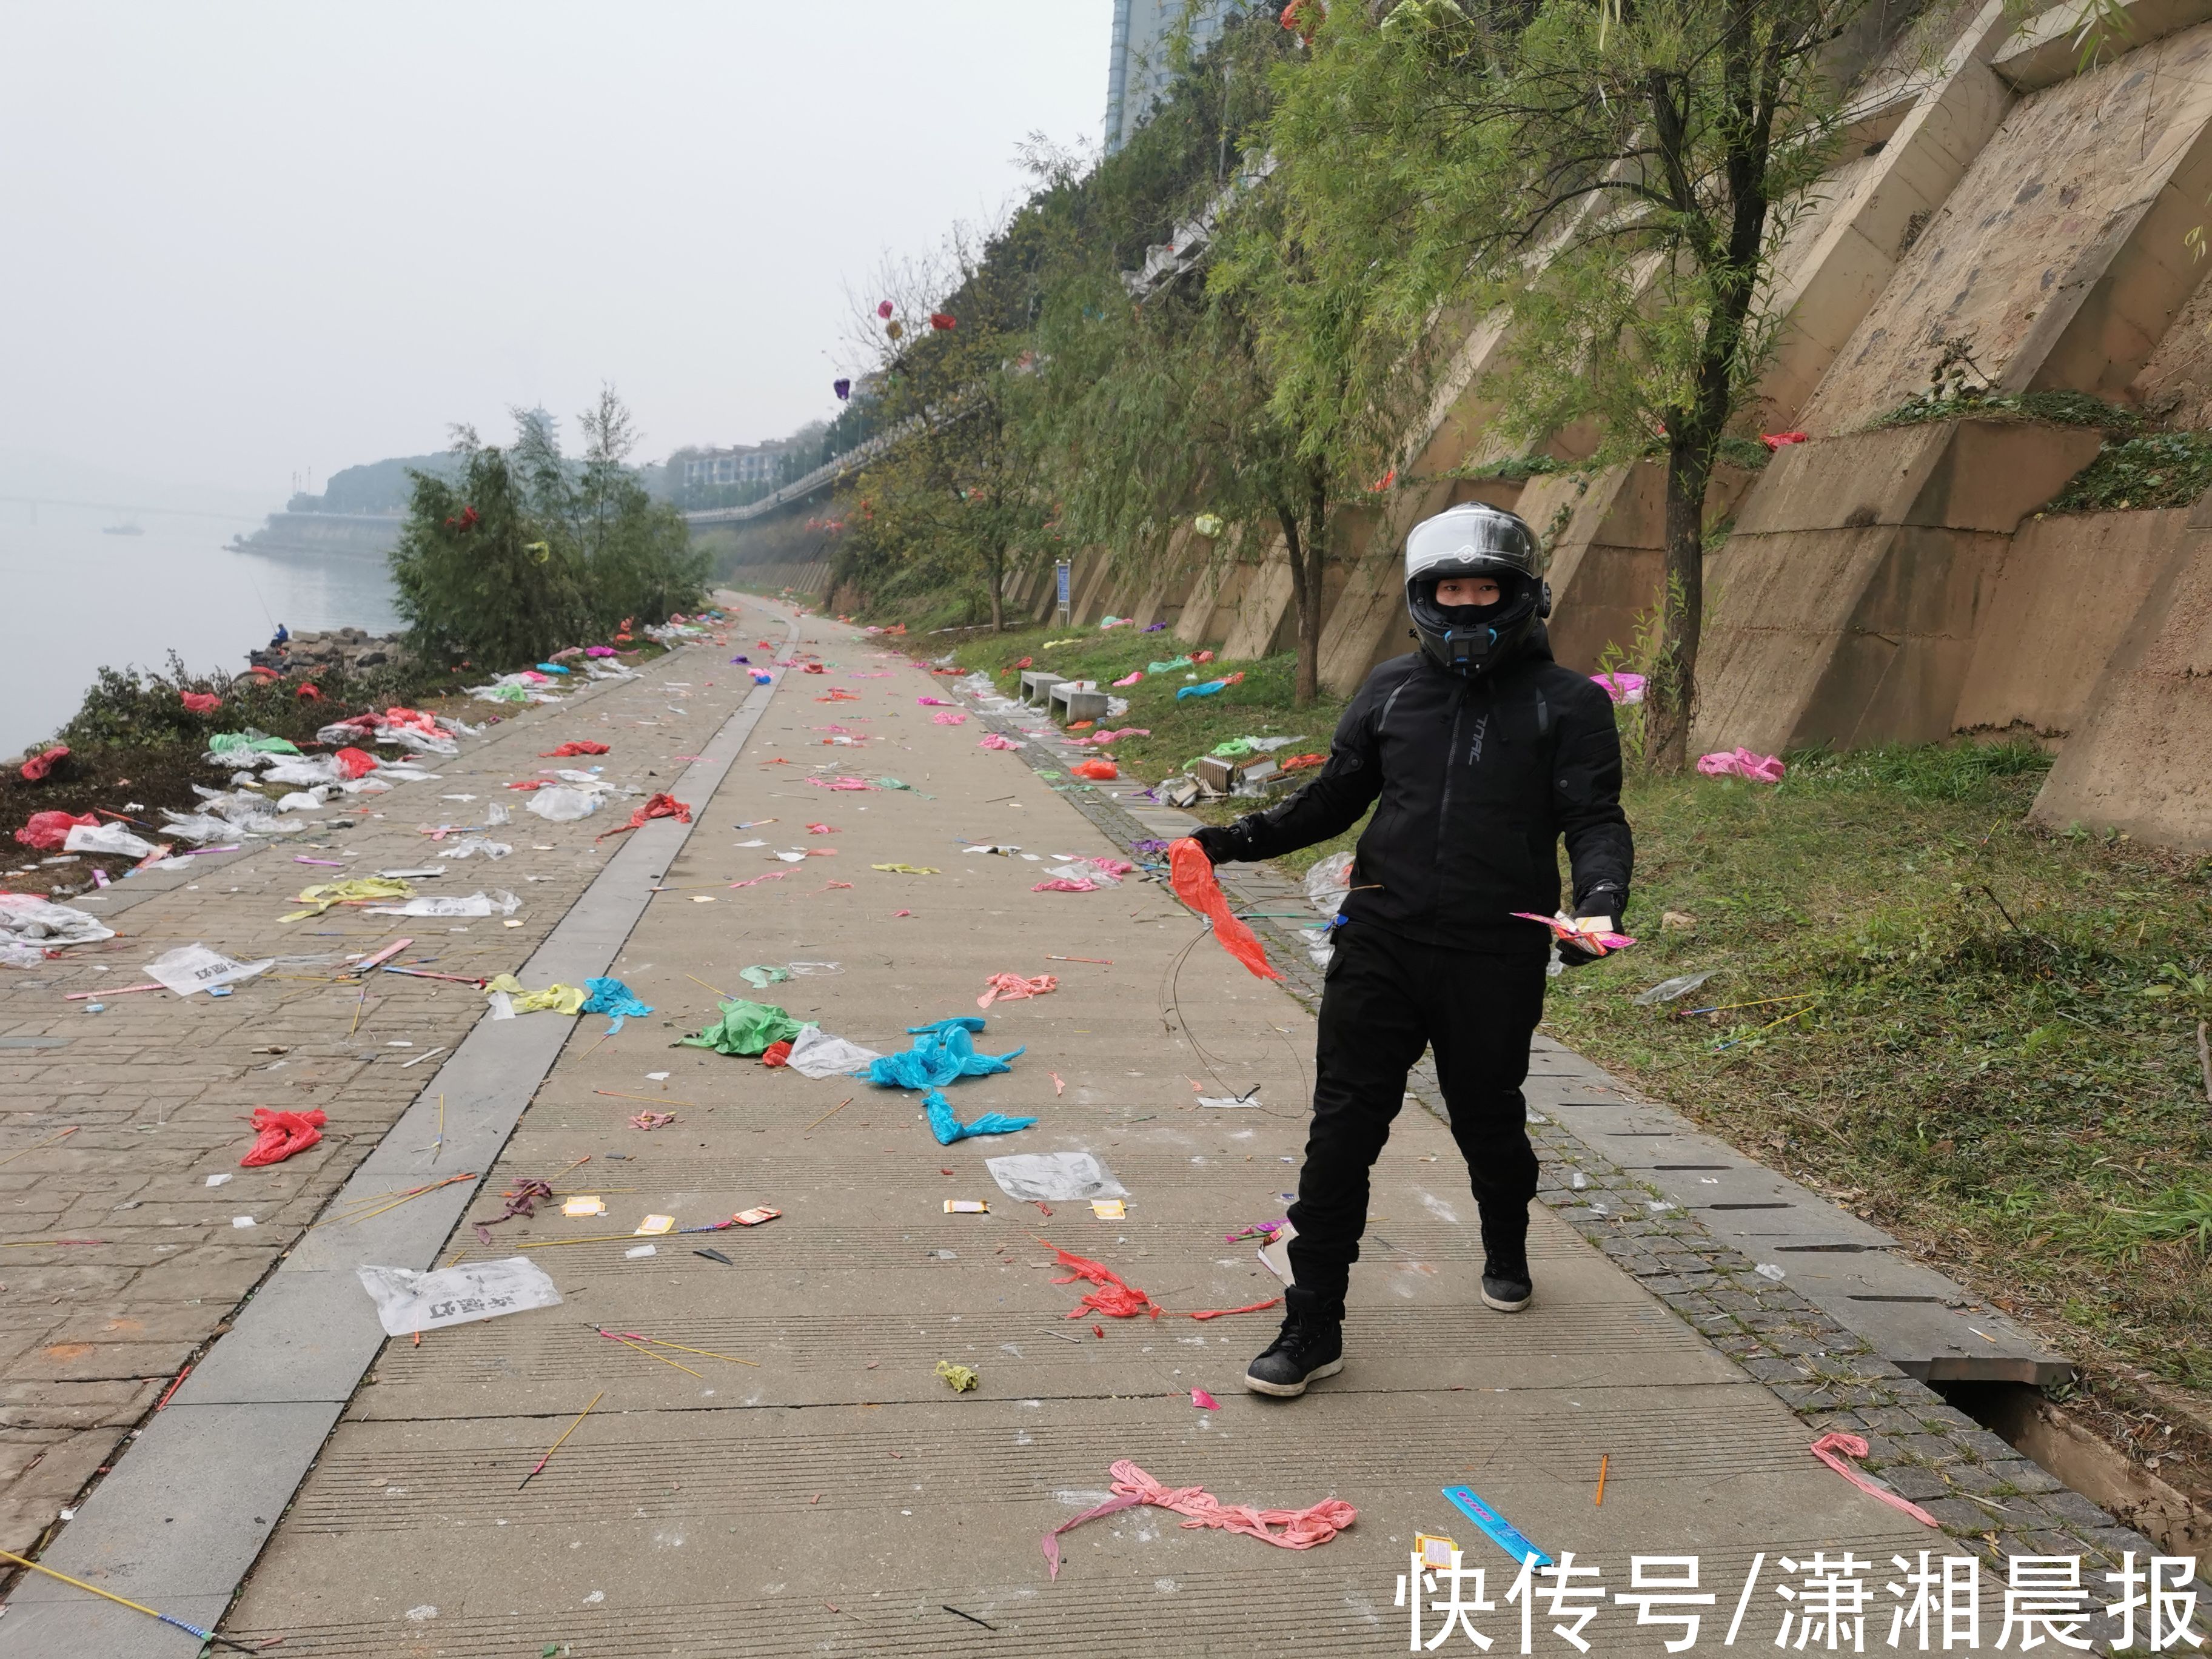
1475, 539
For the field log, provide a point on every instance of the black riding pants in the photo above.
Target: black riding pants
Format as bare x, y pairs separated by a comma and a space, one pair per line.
1385, 1000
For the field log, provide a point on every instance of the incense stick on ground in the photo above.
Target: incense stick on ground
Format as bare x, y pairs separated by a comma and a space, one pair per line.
638, 1347
397, 1199
135, 1607
709, 1352
565, 1433
55, 1140
1603, 1458
695, 980
655, 1099
827, 1115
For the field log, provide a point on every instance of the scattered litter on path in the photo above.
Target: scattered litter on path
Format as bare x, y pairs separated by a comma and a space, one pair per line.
1012, 988
565, 1433
942, 1052
281, 1134
745, 1028
760, 978
815, 1053
656, 806
614, 999
1204, 1402
135, 1606
652, 1120
1115, 1298
1495, 1526
948, 1128
1290, 1530
905, 869
1851, 1445
961, 1379
554, 998
408, 1300
192, 968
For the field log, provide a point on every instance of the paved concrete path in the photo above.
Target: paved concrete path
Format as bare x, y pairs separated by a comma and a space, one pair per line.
834, 1494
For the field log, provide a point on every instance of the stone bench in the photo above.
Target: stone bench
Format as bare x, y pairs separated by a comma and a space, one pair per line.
1037, 683
1082, 701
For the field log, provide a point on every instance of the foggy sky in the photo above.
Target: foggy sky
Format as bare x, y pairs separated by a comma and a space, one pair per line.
247, 240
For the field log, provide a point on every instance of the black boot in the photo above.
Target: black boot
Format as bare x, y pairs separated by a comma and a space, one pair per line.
1507, 1285
1311, 1345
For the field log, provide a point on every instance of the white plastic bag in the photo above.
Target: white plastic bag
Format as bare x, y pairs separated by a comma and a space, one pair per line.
407, 1301
1031, 1176
815, 1053
106, 838
1328, 882
468, 846
27, 919
563, 805
476, 904
191, 968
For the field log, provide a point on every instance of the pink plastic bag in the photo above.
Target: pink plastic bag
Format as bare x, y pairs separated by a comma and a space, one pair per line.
1742, 764
997, 740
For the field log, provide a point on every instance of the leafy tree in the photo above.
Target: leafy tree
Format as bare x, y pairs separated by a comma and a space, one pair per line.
528, 551
478, 574
954, 500
1614, 177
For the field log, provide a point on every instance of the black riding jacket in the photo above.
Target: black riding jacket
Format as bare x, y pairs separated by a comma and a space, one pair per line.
1477, 780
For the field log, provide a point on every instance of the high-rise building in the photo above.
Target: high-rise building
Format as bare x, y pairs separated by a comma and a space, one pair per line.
1137, 69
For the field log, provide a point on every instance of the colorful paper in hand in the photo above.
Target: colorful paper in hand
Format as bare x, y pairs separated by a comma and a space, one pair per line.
1568, 930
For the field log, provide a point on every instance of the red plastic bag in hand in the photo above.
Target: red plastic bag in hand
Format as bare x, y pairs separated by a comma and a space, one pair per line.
282, 1134
1191, 873
1104, 771
39, 764
201, 703
354, 762
49, 832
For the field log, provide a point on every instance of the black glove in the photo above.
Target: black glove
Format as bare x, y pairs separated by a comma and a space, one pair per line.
1605, 901
1221, 842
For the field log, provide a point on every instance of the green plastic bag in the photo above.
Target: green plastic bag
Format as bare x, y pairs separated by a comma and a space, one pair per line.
746, 1028
224, 742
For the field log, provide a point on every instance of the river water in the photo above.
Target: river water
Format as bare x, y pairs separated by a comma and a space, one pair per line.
82, 599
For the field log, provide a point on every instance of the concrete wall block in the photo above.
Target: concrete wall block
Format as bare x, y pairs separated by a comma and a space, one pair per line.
1260, 608
1991, 474
2040, 220
2069, 588
2142, 759
1865, 478
1218, 578
1934, 584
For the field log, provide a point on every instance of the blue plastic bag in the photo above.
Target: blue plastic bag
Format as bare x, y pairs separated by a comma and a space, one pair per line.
1205, 691
611, 996
948, 1128
942, 1054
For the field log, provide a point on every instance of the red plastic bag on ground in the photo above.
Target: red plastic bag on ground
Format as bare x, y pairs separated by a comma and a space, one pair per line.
281, 1134
1191, 873
574, 746
48, 832
39, 764
354, 762
201, 703
658, 806
1104, 771
777, 1052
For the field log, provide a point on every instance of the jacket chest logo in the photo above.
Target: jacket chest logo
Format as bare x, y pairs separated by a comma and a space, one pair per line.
1474, 745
